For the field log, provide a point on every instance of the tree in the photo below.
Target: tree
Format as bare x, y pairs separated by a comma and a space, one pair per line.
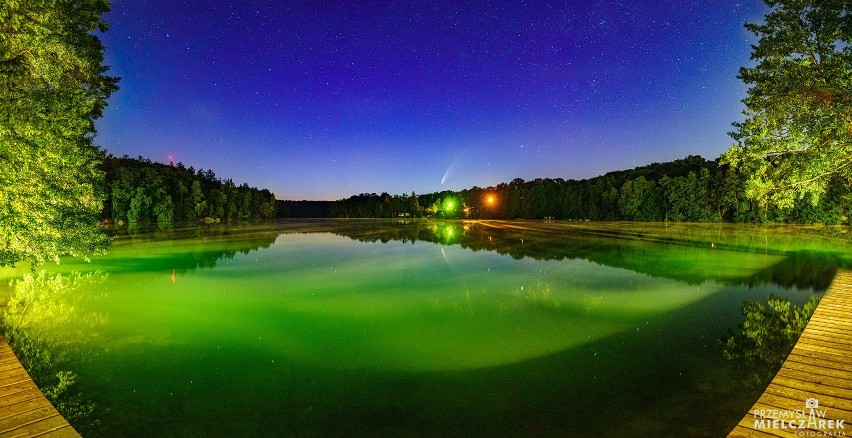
52, 88
139, 206
639, 200
197, 203
123, 190
797, 133
413, 205
164, 211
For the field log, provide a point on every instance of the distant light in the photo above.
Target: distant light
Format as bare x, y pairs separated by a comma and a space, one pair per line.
450, 206
490, 199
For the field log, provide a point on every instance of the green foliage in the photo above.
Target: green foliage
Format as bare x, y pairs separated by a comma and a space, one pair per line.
639, 200
373, 205
147, 192
766, 337
688, 190
689, 198
197, 204
797, 133
52, 88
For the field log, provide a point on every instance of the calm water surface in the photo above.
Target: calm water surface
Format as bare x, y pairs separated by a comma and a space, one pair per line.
429, 327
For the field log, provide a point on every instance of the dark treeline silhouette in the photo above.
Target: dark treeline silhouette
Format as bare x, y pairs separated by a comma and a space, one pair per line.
305, 209
691, 189
141, 191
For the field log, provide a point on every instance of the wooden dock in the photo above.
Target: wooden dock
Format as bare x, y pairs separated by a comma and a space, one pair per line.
24, 410
817, 372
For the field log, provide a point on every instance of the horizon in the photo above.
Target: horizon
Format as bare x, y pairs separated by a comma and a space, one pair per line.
322, 102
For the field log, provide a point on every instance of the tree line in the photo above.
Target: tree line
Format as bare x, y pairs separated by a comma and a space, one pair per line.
691, 189
141, 191
791, 161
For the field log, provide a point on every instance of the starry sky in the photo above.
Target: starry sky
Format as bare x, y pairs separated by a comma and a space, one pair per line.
324, 99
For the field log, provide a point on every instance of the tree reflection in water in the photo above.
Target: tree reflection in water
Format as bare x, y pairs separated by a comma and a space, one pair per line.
42, 321
767, 336
800, 257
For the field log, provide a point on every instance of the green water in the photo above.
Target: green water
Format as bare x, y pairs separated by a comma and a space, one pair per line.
428, 328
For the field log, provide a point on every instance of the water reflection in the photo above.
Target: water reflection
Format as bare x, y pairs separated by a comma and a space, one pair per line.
309, 332
805, 269
46, 319
801, 257
761, 344
790, 257
179, 251
55, 319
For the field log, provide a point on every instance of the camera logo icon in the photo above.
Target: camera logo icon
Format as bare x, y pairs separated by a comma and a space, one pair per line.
811, 403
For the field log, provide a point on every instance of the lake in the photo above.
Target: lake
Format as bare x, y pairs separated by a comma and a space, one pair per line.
426, 327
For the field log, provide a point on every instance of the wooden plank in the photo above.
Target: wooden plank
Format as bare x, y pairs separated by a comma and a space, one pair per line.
831, 344
6, 356
28, 418
837, 387
820, 334
24, 410
745, 432
831, 359
61, 431
50, 427
826, 348
836, 318
832, 331
819, 367
23, 407
815, 375
12, 391
820, 323
835, 307
13, 377
9, 366
25, 402
787, 400
835, 312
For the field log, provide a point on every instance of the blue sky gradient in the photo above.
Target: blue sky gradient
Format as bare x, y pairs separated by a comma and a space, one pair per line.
322, 100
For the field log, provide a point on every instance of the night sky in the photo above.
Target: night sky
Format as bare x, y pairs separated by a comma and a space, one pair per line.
322, 100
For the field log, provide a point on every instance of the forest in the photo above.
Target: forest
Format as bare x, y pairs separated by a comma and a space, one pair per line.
691, 189
141, 191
